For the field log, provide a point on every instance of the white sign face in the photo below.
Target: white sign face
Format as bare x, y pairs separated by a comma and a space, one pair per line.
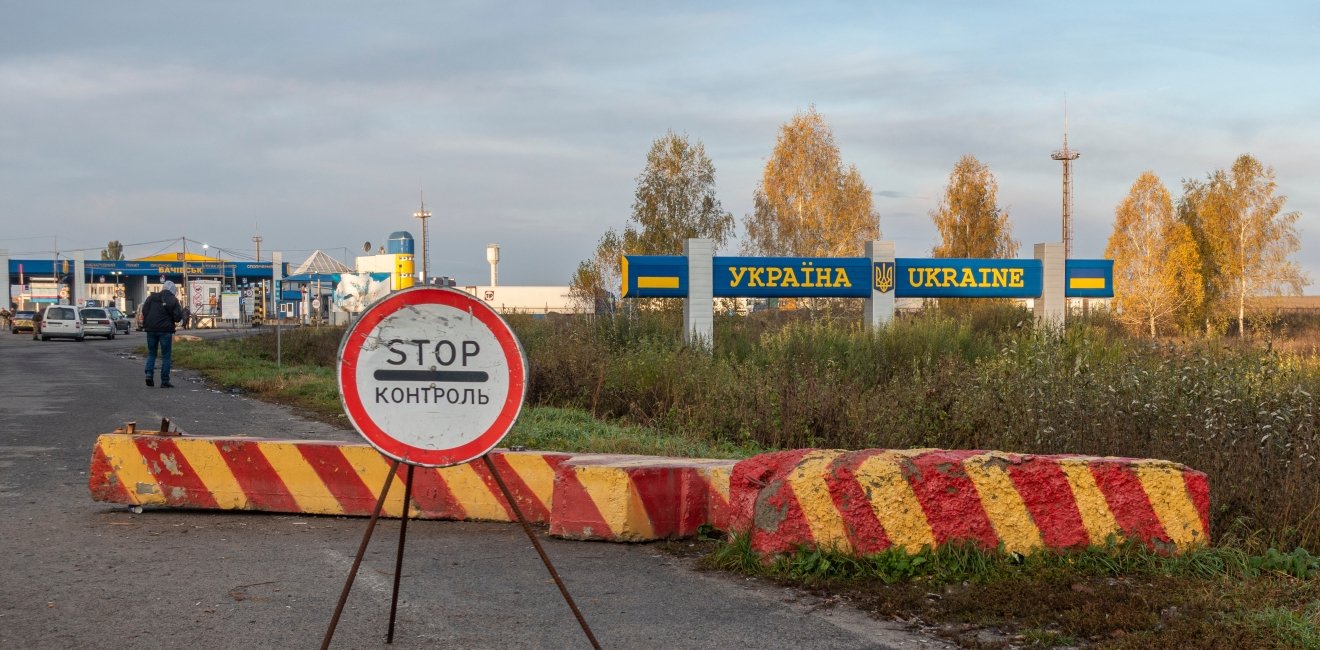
432, 376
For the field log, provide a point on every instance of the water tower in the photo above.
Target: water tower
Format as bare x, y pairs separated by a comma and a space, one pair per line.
493, 257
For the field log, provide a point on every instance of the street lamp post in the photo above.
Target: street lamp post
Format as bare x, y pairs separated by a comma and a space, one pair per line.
185, 273
119, 302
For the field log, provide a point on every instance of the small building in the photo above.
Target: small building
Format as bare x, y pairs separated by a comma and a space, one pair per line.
396, 258
508, 299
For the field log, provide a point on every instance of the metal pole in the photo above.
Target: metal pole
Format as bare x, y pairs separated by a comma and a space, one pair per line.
549, 566
187, 297
398, 559
362, 550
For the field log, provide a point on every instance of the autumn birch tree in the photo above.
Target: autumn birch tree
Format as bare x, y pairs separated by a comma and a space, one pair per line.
808, 203
969, 219
1157, 267
1245, 237
674, 201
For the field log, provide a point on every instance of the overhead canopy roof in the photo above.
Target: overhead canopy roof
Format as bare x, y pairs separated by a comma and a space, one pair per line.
328, 277
318, 262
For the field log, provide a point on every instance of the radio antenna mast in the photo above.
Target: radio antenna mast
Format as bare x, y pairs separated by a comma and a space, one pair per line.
1067, 156
423, 215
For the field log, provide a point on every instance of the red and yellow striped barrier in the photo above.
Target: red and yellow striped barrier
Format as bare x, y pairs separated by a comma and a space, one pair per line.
861, 502
313, 477
639, 498
586, 496
868, 501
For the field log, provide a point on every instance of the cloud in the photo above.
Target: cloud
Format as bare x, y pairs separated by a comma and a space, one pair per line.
528, 123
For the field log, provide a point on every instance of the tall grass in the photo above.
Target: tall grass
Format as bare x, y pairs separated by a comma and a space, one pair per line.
1245, 415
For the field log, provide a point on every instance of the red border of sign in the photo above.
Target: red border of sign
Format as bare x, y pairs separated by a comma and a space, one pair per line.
351, 347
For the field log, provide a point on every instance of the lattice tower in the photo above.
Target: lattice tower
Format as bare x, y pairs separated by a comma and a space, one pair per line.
423, 215
1067, 156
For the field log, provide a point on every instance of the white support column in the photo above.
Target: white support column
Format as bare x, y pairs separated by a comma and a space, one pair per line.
4, 278
1051, 306
699, 307
79, 279
879, 310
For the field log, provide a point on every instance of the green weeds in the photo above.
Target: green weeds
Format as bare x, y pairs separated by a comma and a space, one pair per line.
1112, 596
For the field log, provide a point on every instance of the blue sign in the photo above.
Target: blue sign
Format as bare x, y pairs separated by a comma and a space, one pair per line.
656, 276
1089, 279
968, 278
137, 268
792, 277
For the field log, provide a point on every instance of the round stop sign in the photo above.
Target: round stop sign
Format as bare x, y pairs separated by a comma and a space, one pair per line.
432, 376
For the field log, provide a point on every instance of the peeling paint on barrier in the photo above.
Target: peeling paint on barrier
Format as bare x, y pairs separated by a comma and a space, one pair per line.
857, 502
867, 501
310, 477
639, 498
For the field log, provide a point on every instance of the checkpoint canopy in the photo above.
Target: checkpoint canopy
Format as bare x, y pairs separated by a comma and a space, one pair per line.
432, 376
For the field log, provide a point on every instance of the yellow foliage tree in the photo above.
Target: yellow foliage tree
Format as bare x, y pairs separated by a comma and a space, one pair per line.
1245, 238
674, 201
807, 203
969, 218
1157, 267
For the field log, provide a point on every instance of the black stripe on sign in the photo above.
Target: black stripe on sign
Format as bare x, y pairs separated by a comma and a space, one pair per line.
431, 375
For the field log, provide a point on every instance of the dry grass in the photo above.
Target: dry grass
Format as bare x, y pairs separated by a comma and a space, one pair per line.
1242, 412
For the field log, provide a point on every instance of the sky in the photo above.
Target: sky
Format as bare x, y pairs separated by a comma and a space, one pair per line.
321, 125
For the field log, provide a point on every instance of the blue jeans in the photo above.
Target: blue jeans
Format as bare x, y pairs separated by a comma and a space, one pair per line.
166, 342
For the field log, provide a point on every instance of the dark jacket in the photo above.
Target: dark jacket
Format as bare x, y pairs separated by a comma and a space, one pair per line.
161, 311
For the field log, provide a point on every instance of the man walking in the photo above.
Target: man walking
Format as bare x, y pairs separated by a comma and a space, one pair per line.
159, 314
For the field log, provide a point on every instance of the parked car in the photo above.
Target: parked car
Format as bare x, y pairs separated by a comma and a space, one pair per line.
97, 322
122, 322
22, 321
58, 321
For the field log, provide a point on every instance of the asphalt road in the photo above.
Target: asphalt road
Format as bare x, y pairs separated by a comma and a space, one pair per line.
75, 573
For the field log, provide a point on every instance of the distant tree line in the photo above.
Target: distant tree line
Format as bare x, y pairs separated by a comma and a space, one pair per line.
1193, 266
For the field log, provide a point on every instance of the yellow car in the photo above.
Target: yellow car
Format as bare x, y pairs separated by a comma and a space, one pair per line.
22, 322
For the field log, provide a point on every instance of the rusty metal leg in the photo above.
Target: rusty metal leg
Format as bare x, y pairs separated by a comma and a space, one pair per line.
513, 503
398, 559
357, 561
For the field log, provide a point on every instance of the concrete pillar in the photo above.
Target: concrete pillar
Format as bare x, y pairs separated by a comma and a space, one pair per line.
79, 279
879, 309
699, 308
1051, 306
4, 278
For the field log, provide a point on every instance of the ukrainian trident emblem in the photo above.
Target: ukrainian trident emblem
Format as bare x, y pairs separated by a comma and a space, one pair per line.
884, 277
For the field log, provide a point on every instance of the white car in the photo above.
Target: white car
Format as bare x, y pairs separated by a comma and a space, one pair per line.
59, 321
97, 322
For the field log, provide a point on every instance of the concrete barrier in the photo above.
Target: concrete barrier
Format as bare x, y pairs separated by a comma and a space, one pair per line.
313, 477
858, 502
868, 501
580, 496
639, 498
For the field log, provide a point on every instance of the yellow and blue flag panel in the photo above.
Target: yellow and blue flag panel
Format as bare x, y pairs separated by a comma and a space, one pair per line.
1089, 279
654, 276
